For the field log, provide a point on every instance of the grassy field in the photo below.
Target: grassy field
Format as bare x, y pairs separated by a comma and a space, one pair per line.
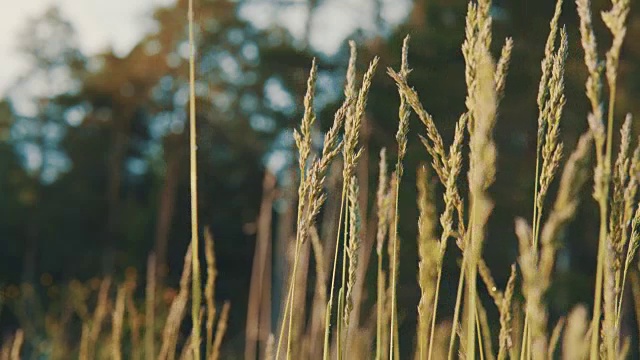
335, 323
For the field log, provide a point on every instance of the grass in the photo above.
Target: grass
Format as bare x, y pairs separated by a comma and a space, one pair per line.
338, 326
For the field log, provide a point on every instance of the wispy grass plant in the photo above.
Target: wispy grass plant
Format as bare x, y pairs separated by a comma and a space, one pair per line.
340, 323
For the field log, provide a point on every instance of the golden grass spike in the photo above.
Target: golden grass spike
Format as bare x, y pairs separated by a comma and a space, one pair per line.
117, 323
615, 19
576, 342
547, 61
594, 80
555, 338
429, 260
176, 312
601, 180
618, 234
551, 150
220, 331
351, 154
401, 139
352, 248
303, 138
482, 106
350, 103
303, 142
537, 273
502, 68
550, 105
434, 145
16, 345
505, 342
632, 249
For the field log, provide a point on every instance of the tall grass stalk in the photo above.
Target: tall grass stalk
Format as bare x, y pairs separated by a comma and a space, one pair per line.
350, 95
401, 139
382, 214
548, 149
615, 20
196, 291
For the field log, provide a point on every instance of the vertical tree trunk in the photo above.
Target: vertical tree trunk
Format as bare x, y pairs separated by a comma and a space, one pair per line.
259, 307
166, 206
114, 184
284, 237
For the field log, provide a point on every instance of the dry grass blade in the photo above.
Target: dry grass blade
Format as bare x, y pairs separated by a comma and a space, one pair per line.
16, 345
352, 248
117, 323
502, 68
176, 313
149, 312
576, 341
401, 139
91, 331
429, 261
316, 327
537, 273
482, 107
220, 331
555, 338
505, 342
303, 143
209, 291
382, 205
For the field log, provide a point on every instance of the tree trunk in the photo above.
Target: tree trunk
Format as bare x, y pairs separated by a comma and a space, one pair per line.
166, 207
259, 308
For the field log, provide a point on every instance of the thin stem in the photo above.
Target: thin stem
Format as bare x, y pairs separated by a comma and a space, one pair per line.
341, 293
285, 313
624, 280
288, 308
472, 267
380, 307
325, 350
456, 313
481, 351
603, 202
524, 348
292, 295
394, 261
597, 303
193, 172
435, 312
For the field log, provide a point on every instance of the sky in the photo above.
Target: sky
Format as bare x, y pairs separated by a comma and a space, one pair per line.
122, 23
99, 23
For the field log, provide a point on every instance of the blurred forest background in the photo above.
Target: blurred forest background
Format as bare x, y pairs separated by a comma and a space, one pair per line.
93, 149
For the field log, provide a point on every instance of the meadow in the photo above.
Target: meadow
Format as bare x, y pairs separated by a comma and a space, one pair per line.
340, 320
